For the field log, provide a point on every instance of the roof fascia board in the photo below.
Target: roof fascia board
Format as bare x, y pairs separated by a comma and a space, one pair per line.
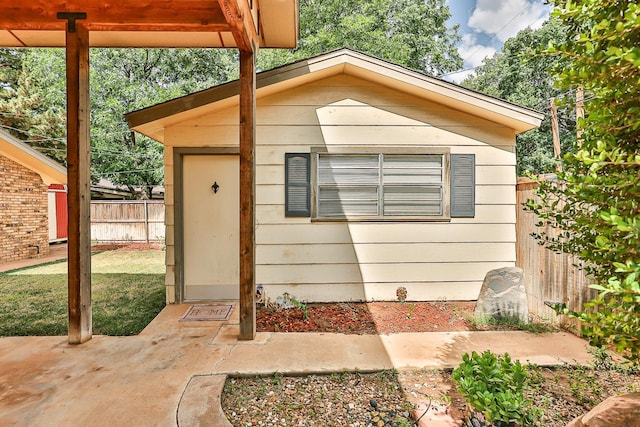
442, 88
49, 170
519, 118
215, 94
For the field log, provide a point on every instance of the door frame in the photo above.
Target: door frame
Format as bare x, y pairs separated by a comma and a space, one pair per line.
178, 206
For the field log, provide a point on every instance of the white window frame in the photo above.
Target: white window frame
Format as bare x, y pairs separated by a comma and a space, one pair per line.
444, 185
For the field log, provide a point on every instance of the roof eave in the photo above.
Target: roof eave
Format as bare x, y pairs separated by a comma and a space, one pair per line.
151, 121
49, 170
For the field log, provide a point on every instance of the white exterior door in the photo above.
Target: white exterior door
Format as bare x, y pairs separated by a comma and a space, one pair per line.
211, 230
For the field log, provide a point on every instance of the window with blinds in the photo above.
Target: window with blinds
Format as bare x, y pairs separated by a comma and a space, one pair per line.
379, 185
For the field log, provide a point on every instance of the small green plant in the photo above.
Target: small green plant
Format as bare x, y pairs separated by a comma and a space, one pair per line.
510, 323
410, 311
602, 360
494, 385
584, 385
445, 399
302, 306
277, 378
402, 422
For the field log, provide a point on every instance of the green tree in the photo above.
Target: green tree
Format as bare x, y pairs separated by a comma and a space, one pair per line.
520, 73
122, 80
10, 68
24, 111
600, 186
412, 33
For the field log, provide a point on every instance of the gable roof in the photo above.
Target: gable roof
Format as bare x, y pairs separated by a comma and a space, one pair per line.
49, 170
152, 120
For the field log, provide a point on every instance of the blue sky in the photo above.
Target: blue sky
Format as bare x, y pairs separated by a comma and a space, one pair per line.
486, 24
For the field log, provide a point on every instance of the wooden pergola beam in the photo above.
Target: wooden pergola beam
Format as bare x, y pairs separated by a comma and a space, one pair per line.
78, 180
116, 16
238, 16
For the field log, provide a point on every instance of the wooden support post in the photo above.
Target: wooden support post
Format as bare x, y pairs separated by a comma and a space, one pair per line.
555, 132
579, 112
78, 177
247, 194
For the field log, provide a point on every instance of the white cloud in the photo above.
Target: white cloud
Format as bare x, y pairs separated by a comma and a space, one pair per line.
473, 52
505, 19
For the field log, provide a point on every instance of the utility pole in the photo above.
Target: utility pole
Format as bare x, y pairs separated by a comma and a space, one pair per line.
555, 132
579, 111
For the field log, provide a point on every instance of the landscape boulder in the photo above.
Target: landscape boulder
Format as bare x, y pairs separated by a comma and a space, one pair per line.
503, 295
616, 411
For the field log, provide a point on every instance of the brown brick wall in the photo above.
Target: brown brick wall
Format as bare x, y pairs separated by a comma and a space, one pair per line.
24, 226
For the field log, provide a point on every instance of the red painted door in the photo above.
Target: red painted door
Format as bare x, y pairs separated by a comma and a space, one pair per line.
62, 226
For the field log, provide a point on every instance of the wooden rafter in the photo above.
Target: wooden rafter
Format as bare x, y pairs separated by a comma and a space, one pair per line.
239, 17
120, 15
245, 24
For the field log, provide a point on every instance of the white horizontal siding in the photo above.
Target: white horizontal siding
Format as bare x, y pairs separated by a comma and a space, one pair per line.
485, 155
485, 214
370, 253
204, 136
495, 175
496, 194
338, 261
376, 273
410, 232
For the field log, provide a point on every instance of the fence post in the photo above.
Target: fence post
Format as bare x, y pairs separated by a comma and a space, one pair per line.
146, 221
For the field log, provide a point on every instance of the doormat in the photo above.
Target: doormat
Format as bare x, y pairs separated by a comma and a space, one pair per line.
203, 312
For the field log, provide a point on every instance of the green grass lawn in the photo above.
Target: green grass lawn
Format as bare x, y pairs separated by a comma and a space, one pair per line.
127, 293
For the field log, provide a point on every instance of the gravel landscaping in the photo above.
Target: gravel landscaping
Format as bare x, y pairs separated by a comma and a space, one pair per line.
399, 398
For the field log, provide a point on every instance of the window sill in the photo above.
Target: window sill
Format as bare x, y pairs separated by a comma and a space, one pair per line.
384, 220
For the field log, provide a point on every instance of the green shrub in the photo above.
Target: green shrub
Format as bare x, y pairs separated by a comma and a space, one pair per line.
495, 386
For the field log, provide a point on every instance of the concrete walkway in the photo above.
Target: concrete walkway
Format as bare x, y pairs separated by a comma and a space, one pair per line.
173, 372
57, 251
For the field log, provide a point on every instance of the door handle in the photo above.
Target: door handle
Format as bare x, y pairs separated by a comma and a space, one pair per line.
215, 187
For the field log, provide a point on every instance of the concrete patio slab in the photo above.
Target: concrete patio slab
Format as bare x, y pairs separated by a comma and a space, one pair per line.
445, 349
200, 404
172, 373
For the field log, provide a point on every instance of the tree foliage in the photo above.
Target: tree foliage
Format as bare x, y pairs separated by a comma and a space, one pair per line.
24, 110
121, 80
600, 190
521, 74
412, 33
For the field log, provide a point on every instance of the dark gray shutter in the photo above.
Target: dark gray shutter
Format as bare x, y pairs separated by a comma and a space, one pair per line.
297, 176
463, 181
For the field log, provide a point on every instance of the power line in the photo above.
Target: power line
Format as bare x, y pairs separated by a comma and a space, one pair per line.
480, 47
131, 171
498, 32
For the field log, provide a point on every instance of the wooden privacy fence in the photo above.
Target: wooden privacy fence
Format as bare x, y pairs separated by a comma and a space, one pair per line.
548, 276
127, 220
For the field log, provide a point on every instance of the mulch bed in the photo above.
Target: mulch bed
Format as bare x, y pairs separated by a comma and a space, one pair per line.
126, 246
368, 318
